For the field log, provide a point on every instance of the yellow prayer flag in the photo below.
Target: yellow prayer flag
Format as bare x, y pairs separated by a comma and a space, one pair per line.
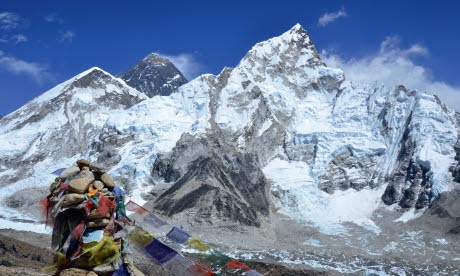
140, 237
198, 244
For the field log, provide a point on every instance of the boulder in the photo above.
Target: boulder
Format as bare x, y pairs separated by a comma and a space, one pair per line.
70, 172
94, 215
98, 185
72, 199
97, 168
97, 223
107, 180
53, 186
81, 183
83, 163
108, 269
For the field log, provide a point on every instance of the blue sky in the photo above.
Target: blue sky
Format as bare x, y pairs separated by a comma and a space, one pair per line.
43, 43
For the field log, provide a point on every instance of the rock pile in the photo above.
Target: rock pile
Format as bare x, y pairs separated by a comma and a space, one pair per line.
88, 216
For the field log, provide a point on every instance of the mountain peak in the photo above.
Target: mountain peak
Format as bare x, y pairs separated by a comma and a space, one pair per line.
297, 34
156, 59
154, 75
92, 77
91, 71
290, 56
297, 28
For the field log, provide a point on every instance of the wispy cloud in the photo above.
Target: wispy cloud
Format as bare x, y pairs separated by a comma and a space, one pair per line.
330, 17
9, 21
393, 65
38, 72
19, 38
66, 36
186, 63
54, 18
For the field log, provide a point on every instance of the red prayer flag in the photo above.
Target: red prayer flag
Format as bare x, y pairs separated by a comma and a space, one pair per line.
134, 207
105, 205
237, 265
199, 270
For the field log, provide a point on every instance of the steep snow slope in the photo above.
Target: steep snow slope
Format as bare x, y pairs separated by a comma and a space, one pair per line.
51, 131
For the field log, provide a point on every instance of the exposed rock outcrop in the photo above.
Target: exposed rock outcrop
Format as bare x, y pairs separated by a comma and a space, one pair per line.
214, 180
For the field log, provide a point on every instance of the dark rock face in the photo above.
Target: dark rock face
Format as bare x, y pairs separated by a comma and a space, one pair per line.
338, 175
410, 184
154, 75
214, 180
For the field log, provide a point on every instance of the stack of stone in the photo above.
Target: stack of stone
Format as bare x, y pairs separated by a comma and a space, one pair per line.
88, 230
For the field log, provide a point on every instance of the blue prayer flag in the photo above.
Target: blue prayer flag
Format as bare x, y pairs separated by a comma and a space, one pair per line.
252, 273
160, 252
59, 171
154, 221
118, 192
93, 236
178, 235
122, 271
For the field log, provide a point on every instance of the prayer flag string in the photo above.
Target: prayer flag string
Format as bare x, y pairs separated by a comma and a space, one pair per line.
164, 255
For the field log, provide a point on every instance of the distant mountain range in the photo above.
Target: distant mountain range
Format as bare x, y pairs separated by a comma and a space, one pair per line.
279, 154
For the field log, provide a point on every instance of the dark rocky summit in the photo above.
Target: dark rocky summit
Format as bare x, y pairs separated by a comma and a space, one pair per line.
154, 75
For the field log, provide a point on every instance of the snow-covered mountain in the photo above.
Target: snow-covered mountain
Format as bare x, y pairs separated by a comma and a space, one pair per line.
154, 75
283, 103
51, 130
279, 148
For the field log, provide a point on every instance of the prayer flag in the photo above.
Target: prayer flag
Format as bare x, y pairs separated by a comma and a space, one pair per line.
58, 171
178, 235
198, 245
93, 236
134, 207
160, 252
140, 237
154, 221
252, 273
122, 271
199, 270
178, 265
218, 258
237, 265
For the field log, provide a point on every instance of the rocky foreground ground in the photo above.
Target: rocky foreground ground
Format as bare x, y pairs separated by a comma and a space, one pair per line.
27, 253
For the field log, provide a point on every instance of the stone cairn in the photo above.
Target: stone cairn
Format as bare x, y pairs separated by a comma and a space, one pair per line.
87, 212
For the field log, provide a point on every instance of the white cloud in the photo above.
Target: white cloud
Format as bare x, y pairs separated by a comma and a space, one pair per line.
36, 71
53, 18
330, 17
9, 21
393, 65
19, 38
66, 36
187, 64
